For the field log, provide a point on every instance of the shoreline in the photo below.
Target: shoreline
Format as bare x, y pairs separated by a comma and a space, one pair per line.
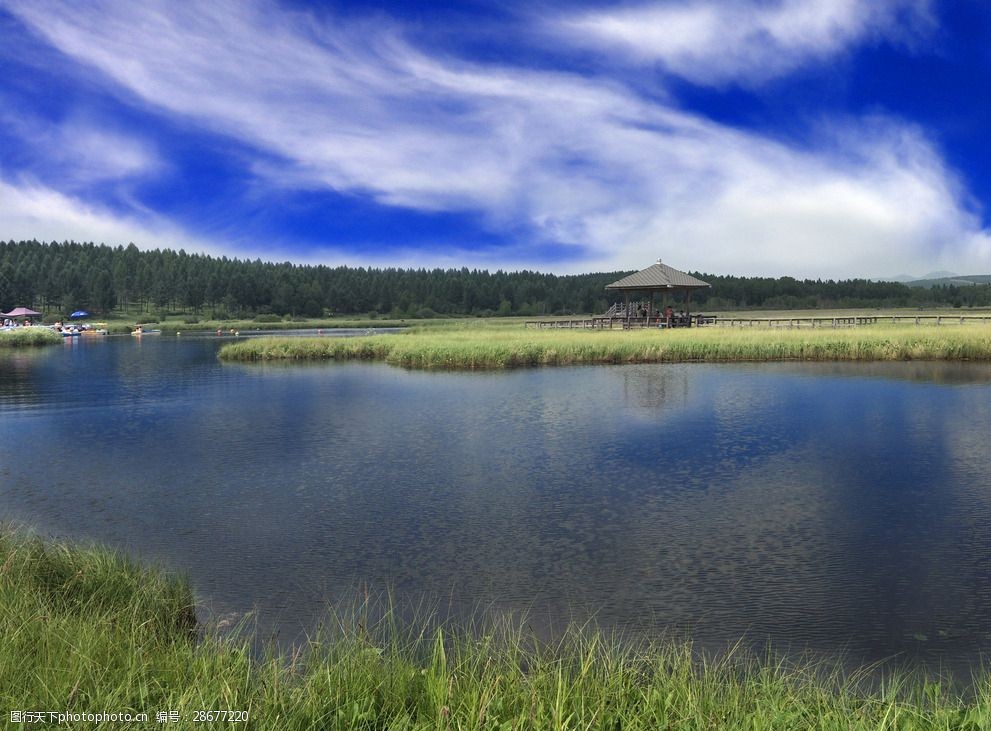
491, 349
90, 630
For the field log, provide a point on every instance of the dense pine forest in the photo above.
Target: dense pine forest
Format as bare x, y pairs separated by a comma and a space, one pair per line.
61, 277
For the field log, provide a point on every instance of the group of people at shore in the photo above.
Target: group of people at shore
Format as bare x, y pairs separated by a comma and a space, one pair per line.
10, 323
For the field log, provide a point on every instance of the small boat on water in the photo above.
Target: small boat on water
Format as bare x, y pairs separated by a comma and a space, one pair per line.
142, 331
94, 328
66, 331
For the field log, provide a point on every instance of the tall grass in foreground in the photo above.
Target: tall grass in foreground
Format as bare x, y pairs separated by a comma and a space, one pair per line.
501, 348
28, 336
84, 631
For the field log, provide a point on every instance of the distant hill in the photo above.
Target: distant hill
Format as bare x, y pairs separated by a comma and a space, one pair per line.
956, 280
909, 278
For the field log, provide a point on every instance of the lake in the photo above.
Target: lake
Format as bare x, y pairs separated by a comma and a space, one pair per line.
821, 507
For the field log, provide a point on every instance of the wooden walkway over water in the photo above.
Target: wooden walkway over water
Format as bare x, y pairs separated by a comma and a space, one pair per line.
634, 323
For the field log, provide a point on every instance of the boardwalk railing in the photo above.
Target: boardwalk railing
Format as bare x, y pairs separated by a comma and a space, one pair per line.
629, 323
607, 322
851, 320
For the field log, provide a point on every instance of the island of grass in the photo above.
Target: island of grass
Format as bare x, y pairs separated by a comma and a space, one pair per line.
26, 337
479, 347
86, 631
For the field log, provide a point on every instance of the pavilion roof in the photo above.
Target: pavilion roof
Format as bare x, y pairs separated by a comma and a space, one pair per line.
658, 276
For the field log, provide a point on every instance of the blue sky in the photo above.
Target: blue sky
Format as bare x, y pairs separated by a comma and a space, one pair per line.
815, 138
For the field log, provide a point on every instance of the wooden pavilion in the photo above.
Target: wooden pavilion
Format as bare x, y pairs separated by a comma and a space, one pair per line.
657, 278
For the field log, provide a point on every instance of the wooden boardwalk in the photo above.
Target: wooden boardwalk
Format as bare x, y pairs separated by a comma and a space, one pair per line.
851, 321
616, 323
636, 323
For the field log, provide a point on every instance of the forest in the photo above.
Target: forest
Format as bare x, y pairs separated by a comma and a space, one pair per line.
57, 277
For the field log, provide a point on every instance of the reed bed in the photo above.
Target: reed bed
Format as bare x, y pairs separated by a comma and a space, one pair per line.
85, 631
28, 337
474, 348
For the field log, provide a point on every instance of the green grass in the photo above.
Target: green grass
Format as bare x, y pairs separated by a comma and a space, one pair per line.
475, 348
119, 325
439, 324
86, 631
27, 337
177, 324
121, 322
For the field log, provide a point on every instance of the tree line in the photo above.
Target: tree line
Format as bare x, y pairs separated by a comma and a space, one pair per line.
61, 277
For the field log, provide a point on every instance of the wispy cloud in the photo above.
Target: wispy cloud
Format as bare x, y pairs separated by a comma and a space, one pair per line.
743, 41
358, 107
32, 210
80, 151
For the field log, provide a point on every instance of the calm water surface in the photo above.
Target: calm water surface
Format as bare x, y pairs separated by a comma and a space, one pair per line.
823, 506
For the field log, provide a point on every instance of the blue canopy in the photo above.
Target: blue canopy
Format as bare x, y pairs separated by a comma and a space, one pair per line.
79, 313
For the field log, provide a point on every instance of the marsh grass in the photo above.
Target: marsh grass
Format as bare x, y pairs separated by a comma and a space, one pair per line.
85, 631
173, 324
28, 336
473, 347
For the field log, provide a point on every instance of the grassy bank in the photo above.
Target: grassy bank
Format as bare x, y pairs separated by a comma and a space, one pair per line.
85, 631
120, 323
28, 337
505, 348
173, 324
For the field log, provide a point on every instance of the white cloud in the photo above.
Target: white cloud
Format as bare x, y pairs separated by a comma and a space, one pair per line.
31, 210
355, 107
747, 41
83, 150
103, 155
869, 200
